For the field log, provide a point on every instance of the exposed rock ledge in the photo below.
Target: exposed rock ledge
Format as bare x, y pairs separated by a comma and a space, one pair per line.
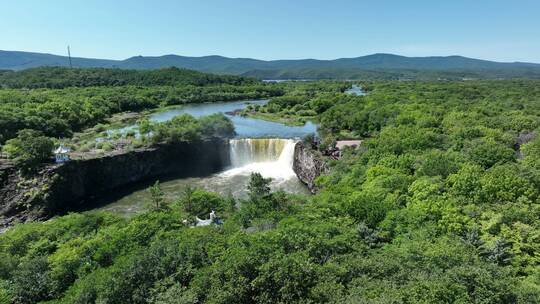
58, 188
308, 165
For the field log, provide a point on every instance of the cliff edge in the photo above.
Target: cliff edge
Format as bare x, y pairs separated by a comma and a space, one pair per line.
58, 188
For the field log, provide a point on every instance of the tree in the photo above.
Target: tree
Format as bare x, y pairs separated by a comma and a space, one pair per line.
472, 237
368, 235
489, 152
182, 128
465, 184
176, 294
145, 127
437, 162
30, 148
157, 195
31, 281
499, 253
508, 183
285, 279
258, 186
187, 199
199, 202
216, 125
530, 151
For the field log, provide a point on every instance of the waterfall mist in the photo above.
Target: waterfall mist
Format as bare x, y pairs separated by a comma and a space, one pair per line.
271, 157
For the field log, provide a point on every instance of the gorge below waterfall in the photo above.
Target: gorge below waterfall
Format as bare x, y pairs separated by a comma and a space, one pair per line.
271, 157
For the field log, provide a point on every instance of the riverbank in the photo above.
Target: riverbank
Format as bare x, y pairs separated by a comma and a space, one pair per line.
302, 106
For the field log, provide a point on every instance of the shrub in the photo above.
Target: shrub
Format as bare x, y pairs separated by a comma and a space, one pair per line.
29, 148
107, 146
181, 128
100, 128
130, 133
199, 202
217, 125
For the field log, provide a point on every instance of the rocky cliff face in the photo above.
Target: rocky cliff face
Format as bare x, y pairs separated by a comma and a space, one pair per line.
308, 165
58, 188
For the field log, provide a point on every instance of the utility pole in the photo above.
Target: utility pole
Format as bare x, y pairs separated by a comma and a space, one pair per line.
69, 55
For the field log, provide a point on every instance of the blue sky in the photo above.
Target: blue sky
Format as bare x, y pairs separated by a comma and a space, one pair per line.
117, 29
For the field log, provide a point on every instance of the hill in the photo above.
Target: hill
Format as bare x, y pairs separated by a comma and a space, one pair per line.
62, 77
385, 66
14, 60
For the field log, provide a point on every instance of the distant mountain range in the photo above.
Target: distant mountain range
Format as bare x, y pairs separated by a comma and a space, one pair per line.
383, 66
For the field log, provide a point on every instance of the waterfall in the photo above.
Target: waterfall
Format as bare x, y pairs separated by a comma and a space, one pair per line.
250, 150
271, 157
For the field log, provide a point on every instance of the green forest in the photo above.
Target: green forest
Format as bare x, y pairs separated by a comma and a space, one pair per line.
440, 204
60, 101
58, 78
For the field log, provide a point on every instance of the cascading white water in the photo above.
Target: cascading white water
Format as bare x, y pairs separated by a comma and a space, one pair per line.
271, 157
250, 150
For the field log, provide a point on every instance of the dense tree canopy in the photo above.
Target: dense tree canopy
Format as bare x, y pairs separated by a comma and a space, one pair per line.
440, 204
60, 77
187, 128
60, 112
29, 148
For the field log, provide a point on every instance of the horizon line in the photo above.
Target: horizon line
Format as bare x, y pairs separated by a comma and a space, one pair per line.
269, 60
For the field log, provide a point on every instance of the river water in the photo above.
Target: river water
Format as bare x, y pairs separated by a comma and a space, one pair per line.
245, 127
356, 90
259, 146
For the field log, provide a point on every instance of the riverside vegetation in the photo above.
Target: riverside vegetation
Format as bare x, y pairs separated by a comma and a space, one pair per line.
57, 102
440, 204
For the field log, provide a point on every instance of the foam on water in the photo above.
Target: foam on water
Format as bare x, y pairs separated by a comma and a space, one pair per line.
271, 157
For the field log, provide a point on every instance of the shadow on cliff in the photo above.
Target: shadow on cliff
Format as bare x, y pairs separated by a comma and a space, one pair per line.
104, 199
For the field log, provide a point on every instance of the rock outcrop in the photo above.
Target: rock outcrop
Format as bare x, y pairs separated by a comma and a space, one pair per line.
58, 188
308, 165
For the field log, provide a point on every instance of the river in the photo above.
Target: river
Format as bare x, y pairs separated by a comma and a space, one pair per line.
259, 146
245, 127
